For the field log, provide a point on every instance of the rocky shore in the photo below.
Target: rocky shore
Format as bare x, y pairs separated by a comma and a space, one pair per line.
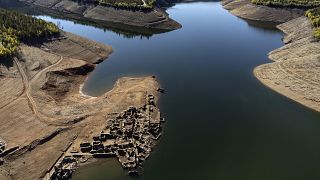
128, 136
44, 115
156, 20
295, 72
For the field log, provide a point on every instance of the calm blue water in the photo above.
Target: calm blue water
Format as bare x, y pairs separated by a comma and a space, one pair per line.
221, 122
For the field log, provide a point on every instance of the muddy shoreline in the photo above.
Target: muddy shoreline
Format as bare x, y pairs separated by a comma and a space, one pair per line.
45, 116
295, 72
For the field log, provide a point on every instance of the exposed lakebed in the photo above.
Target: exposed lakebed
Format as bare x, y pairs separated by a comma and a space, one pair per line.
222, 123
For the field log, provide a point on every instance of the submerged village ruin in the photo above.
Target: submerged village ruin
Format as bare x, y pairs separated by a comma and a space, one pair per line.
50, 127
128, 136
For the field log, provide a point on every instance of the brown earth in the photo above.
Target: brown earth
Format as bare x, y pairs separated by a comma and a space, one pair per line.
42, 111
295, 72
156, 18
246, 10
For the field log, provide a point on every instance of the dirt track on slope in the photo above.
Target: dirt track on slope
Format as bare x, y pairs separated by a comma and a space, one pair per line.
42, 111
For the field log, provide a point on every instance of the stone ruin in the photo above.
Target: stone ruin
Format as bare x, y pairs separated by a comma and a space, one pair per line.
129, 137
64, 168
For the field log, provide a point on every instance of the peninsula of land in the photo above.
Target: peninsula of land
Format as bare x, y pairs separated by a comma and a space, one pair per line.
47, 123
295, 70
136, 15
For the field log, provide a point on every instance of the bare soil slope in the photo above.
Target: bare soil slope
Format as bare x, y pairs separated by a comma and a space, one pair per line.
42, 112
245, 9
296, 70
154, 19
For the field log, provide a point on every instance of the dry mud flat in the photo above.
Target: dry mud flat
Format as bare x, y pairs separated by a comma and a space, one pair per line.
156, 18
42, 112
295, 72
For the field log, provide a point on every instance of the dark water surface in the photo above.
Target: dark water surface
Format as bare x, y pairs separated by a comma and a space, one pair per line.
222, 123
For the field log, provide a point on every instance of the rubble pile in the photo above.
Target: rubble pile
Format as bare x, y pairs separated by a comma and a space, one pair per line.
64, 169
129, 137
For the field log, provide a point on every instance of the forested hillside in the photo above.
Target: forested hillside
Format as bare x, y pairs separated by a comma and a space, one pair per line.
16, 27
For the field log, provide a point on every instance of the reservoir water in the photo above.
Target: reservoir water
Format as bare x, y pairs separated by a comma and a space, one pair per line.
222, 123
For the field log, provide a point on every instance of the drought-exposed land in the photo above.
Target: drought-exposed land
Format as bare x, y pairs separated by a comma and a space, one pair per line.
49, 128
45, 117
247, 10
132, 15
295, 70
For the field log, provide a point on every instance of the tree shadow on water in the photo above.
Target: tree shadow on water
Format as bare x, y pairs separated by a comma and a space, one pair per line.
6, 62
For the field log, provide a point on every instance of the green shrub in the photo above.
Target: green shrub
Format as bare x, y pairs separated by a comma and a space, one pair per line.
16, 27
129, 4
8, 42
317, 33
314, 16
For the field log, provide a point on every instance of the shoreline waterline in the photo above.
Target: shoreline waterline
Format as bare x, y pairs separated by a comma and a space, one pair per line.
289, 62
212, 100
174, 132
82, 94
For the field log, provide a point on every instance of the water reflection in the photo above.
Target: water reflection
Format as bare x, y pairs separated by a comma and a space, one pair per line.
222, 123
125, 31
